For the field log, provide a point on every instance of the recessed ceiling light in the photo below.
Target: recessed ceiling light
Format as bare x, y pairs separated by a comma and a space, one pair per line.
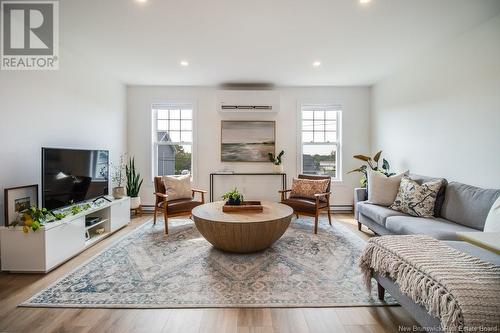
184, 63
364, 2
316, 63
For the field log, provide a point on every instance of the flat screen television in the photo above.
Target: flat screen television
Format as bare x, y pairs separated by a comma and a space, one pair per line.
73, 175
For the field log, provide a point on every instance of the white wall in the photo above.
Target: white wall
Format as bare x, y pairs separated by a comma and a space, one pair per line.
75, 107
356, 102
440, 116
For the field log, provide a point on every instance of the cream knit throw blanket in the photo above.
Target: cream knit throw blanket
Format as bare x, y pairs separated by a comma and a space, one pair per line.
461, 290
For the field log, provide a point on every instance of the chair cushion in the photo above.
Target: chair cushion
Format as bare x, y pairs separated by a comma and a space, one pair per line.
303, 204
377, 213
180, 205
307, 188
468, 205
415, 199
435, 227
178, 187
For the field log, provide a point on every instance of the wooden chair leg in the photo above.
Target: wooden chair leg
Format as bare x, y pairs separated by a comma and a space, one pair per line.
329, 216
359, 226
316, 223
297, 215
154, 216
165, 217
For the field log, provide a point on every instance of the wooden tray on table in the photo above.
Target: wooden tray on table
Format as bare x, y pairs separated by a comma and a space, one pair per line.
245, 206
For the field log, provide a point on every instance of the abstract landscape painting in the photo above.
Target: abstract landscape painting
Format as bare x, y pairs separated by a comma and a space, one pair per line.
247, 141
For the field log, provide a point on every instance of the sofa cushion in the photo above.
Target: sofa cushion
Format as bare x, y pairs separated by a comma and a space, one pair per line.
377, 213
440, 196
415, 199
468, 205
382, 190
438, 228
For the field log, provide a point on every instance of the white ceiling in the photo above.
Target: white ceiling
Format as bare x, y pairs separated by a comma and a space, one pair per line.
273, 41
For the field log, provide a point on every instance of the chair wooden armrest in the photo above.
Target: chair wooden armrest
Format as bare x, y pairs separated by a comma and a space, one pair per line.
161, 195
322, 194
284, 191
202, 192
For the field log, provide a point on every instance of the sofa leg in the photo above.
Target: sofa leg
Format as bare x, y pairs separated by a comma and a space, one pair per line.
380, 292
359, 226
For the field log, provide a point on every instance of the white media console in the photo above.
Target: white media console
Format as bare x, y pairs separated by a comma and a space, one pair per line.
59, 241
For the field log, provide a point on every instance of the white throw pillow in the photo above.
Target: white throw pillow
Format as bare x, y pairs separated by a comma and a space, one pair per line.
382, 190
178, 187
492, 223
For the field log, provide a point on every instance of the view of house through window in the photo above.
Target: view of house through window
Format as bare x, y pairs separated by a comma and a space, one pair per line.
172, 139
320, 141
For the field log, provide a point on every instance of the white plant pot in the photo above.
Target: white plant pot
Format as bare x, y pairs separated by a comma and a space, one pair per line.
135, 202
118, 192
278, 168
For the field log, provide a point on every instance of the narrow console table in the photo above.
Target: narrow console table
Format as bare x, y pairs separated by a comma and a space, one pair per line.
213, 174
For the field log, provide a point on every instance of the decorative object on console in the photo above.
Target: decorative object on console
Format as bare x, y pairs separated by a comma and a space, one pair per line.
310, 206
17, 200
134, 183
118, 177
233, 197
278, 167
382, 190
415, 199
384, 169
174, 207
247, 141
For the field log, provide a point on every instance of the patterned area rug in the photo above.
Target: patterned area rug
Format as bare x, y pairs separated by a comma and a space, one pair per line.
148, 269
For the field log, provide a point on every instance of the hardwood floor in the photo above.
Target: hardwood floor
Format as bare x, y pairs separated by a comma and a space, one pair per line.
15, 288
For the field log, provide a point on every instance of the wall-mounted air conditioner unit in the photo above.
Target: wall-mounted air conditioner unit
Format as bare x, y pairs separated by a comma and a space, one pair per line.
248, 101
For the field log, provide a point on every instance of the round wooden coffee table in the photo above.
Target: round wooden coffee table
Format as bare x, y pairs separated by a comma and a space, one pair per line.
242, 232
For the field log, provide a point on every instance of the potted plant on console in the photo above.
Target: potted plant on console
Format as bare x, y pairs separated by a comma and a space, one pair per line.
118, 178
134, 183
278, 167
233, 198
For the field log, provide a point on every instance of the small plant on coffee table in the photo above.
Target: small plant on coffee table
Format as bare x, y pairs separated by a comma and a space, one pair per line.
233, 197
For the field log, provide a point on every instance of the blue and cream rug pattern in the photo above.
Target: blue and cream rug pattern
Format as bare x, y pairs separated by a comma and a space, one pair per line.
147, 269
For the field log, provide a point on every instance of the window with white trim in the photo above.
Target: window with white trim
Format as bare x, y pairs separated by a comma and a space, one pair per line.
172, 139
320, 140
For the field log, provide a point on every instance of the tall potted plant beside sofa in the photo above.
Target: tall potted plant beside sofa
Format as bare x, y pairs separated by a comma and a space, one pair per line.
134, 183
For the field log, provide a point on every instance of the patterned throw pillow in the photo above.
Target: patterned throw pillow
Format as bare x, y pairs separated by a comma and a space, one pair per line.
415, 199
307, 188
178, 187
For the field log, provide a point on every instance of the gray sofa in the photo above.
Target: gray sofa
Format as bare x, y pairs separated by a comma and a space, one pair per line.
459, 207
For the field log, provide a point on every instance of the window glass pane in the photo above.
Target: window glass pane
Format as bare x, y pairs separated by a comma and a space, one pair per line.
187, 114
162, 125
319, 136
175, 114
174, 159
319, 126
307, 114
319, 115
175, 125
330, 125
187, 136
307, 125
186, 125
319, 160
175, 136
307, 136
331, 136
162, 114
331, 114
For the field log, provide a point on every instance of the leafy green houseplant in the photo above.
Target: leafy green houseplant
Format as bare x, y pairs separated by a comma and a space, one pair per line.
134, 183
276, 160
373, 164
233, 197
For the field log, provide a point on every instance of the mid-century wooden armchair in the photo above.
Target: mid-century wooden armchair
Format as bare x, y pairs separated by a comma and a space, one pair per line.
307, 206
171, 208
